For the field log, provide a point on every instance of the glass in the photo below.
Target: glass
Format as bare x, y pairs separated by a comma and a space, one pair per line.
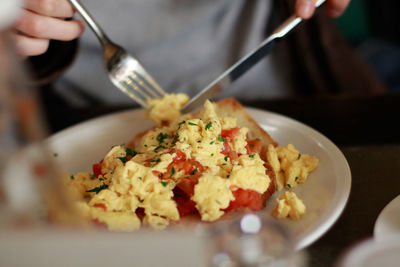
253, 240
30, 191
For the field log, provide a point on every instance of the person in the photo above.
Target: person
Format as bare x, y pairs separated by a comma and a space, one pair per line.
184, 45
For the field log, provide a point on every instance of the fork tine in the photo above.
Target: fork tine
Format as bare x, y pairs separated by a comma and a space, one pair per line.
134, 92
144, 84
151, 83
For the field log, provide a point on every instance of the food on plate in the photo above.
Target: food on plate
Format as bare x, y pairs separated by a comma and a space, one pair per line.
289, 205
204, 164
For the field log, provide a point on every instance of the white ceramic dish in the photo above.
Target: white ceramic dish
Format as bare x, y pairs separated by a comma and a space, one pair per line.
325, 193
388, 222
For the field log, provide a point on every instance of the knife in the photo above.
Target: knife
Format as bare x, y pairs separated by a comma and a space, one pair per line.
244, 64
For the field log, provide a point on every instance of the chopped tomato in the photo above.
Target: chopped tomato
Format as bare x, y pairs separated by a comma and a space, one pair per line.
228, 151
254, 146
99, 224
97, 168
187, 186
245, 198
180, 156
100, 205
157, 173
230, 134
186, 206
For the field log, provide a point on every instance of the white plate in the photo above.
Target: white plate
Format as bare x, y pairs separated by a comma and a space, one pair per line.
388, 222
325, 193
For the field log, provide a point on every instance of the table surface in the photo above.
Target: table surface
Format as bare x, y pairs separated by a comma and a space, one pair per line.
375, 182
365, 128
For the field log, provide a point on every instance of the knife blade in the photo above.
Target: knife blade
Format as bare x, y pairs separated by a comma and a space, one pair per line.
244, 64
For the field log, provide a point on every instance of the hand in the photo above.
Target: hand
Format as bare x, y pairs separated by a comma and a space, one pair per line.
305, 8
43, 20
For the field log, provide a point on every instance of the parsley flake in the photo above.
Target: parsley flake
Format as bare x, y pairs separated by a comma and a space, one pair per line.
164, 183
123, 159
288, 185
251, 156
191, 123
194, 171
221, 139
226, 158
101, 179
98, 189
299, 156
132, 153
172, 171
208, 126
297, 178
161, 137
212, 142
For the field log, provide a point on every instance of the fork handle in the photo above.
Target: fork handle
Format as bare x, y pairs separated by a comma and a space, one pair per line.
80, 8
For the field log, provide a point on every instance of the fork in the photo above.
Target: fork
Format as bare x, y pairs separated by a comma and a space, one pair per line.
125, 72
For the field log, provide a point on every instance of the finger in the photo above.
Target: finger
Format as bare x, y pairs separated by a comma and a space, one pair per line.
51, 8
335, 8
29, 46
44, 27
305, 8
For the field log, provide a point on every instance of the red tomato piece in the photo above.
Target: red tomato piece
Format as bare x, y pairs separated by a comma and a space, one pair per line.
187, 186
228, 151
245, 198
97, 168
254, 146
101, 206
185, 206
157, 173
230, 134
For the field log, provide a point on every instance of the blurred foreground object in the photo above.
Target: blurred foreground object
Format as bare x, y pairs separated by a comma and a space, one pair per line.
28, 184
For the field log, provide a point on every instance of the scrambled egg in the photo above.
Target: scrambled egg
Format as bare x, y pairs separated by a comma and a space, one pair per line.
289, 205
135, 187
291, 168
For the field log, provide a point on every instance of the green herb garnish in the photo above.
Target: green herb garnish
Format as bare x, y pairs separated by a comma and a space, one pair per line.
221, 139
101, 179
208, 126
98, 189
194, 171
158, 147
251, 156
172, 171
226, 158
180, 124
123, 159
132, 153
299, 156
161, 137
288, 185
164, 183
176, 136
297, 178
212, 142
193, 124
